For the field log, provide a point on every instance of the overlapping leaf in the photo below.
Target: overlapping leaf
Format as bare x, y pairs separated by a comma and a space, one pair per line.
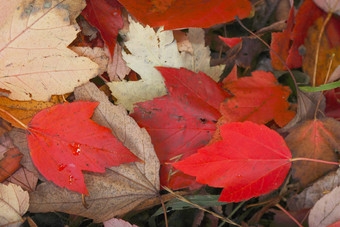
105, 15
183, 121
251, 160
288, 43
120, 189
34, 59
259, 99
316, 139
14, 203
64, 141
174, 14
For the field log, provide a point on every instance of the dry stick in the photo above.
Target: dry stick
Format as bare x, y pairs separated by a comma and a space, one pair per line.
289, 215
326, 79
199, 207
164, 210
319, 44
274, 52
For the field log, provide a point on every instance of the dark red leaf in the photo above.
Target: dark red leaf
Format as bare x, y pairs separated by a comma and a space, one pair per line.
251, 160
63, 141
307, 14
183, 121
105, 15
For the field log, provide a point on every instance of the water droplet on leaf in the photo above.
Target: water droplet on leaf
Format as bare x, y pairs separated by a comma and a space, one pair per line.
61, 167
70, 179
76, 149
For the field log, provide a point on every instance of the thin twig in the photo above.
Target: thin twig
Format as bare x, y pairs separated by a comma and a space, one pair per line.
318, 46
199, 207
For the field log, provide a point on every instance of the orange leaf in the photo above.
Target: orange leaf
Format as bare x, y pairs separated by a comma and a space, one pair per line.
259, 99
174, 14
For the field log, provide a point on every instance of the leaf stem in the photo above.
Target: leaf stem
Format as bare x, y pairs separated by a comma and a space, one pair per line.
314, 160
15, 119
289, 215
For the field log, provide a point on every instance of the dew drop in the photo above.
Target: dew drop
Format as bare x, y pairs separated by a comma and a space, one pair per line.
70, 179
61, 167
76, 149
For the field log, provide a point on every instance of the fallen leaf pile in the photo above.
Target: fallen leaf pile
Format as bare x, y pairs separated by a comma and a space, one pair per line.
103, 104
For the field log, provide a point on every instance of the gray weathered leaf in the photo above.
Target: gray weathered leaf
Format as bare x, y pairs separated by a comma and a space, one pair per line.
326, 211
308, 197
307, 104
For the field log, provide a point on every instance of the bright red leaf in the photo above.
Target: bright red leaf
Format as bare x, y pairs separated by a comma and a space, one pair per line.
181, 122
174, 14
251, 160
231, 41
259, 98
64, 141
105, 15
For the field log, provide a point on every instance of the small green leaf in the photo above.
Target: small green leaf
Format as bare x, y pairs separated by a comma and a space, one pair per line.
323, 87
202, 200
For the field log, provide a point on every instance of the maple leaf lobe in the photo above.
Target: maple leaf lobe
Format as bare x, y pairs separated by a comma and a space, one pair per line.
251, 160
64, 141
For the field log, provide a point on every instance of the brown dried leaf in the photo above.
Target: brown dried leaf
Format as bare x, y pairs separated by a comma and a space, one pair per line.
307, 104
24, 178
308, 197
315, 139
120, 189
117, 68
4, 126
183, 43
13, 203
96, 54
9, 163
326, 211
34, 59
19, 139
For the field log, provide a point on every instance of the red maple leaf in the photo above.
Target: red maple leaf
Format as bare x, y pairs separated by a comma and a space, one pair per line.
174, 14
251, 160
181, 122
105, 15
63, 141
231, 41
259, 98
288, 42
